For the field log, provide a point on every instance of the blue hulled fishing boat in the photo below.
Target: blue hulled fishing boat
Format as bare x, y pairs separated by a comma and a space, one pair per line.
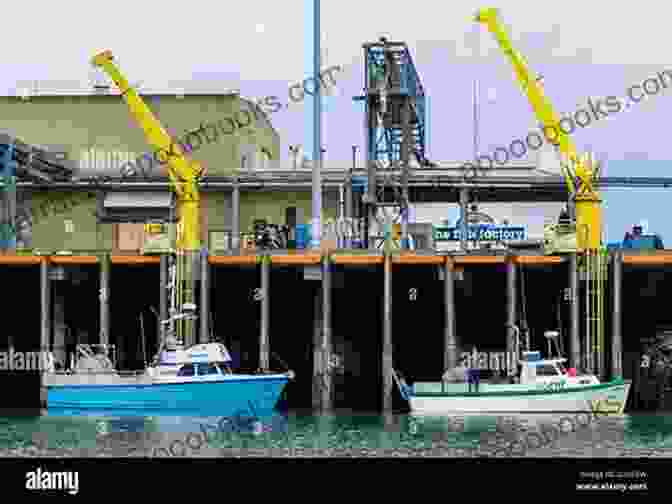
196, 378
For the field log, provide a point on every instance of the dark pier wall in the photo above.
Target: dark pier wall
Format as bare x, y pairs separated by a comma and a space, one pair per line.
134, 290
480, 304
646, 313
78, 296
292, 331
418, 319
20, 297
236, 312
294, 322
541, 294
357, 314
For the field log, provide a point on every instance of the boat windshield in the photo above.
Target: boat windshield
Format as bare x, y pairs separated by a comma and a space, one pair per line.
207, 368
546, 370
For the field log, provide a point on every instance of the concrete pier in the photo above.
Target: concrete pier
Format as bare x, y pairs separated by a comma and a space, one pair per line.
164, 266
57, 298
60, 329
205, 299
511, 307
326, 399
387, 335
616, 324
104, 299
45, 306
577, 358
45, 322
264, 342
319, 364
451, 349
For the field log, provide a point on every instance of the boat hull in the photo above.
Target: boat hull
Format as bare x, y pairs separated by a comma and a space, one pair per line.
608, 398
229, 395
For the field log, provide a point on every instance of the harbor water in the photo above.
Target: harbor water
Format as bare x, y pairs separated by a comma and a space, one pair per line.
338, 434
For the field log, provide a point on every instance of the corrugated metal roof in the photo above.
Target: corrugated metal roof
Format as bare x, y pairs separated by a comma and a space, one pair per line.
28, 89
138, 199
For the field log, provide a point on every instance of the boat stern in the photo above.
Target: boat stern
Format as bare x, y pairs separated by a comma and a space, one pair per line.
613, 400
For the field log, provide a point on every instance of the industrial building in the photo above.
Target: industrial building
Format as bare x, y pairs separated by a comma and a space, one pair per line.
97, 272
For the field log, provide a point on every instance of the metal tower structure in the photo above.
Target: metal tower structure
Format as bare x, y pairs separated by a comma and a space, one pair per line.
395, 126
23, 162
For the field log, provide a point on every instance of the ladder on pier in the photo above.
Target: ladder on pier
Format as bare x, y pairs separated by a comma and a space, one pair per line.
595, 264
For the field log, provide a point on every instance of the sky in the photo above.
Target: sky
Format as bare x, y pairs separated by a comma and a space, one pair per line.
582, 49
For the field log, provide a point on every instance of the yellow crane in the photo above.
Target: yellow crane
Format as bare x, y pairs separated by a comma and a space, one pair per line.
184, 175
580, 173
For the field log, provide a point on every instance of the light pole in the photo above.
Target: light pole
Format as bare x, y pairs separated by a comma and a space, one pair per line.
317, 129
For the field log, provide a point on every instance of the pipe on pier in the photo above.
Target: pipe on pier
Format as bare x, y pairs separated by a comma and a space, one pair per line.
45, 321
576, 357
235, 216
617, 335
319, 358
511, 272
326, 398
405, 155
449, 336
387, 335
45, 305
105, 299
264, 342
205, 298
464, 218
164, 266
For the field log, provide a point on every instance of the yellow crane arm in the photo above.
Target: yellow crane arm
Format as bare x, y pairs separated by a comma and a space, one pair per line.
184, 173
588, 209
540, 104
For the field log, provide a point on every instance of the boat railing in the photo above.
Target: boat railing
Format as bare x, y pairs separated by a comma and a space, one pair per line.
98, 372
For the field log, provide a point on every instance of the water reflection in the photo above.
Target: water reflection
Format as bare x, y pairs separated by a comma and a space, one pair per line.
341, 433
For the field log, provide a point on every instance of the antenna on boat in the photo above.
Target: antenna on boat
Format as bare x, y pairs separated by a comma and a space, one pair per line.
552, 337
142, 332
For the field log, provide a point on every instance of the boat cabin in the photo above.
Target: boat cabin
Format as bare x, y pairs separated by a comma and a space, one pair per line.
534, 369
208, 359
531, 372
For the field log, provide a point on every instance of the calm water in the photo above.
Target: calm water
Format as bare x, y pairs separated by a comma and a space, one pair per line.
63, 434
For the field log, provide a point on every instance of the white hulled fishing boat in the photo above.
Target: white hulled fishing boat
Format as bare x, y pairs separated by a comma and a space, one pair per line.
543, 386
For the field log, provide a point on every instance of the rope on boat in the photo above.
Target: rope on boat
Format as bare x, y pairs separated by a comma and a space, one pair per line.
403, 387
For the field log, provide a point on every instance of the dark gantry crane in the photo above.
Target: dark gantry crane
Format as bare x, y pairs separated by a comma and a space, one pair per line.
395, 129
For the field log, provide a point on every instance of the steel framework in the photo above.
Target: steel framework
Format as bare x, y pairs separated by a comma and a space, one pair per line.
395, 126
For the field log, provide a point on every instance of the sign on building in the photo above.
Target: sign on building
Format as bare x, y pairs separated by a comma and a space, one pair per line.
482, 232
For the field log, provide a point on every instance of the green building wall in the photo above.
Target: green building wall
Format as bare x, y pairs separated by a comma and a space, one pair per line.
50, 232
81, 123
77, 124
